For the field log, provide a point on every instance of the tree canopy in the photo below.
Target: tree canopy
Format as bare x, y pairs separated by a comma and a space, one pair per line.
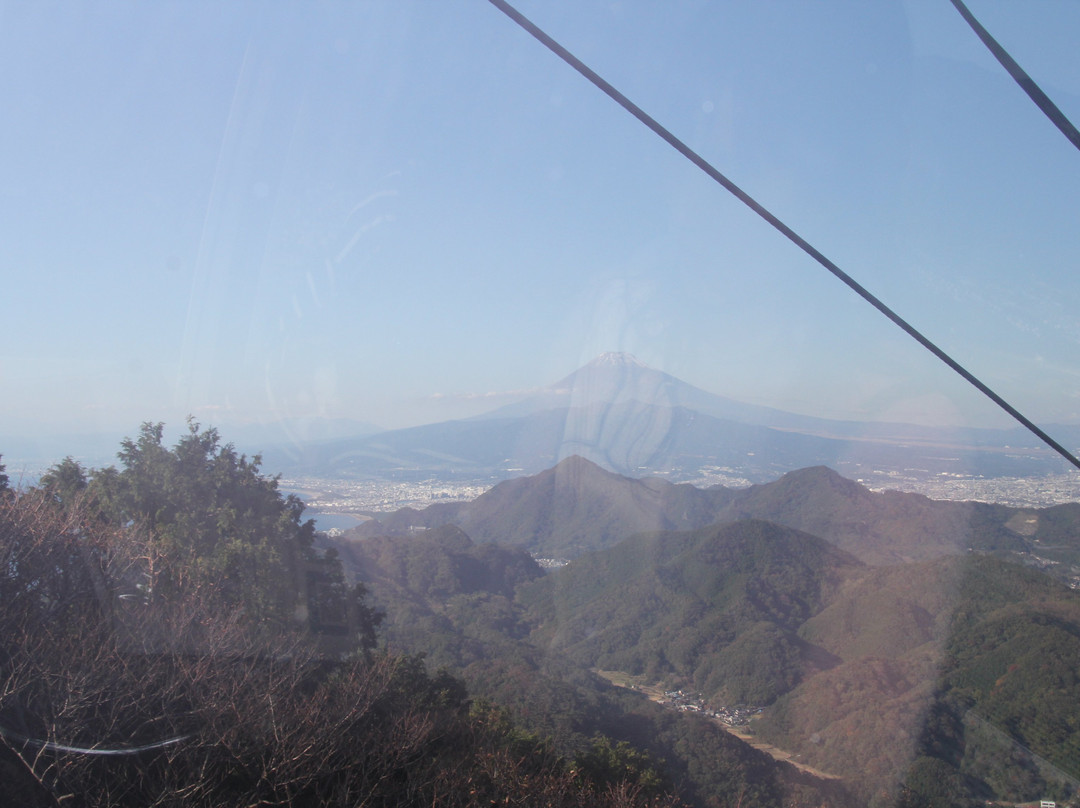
211, 524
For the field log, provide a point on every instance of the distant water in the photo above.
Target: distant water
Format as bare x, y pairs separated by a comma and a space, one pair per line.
326, 521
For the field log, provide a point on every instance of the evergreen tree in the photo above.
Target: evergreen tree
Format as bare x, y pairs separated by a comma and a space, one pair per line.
65, 481
212, 523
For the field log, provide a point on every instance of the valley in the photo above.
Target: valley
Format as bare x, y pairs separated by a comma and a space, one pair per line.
862, 626
733, 720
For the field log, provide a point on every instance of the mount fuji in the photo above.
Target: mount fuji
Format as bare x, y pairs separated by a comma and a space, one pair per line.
633, 419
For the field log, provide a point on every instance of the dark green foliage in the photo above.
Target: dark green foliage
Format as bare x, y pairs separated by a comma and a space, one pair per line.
178, 580
1020, 670
763, 662
1011, 679
212, 517
869, 661
932, 783
988, 583
1056, 536
443, 595
211, 525
66, 481
707, 766
758, 619
1003, 768
336, 608
717, 608
439, 563
608, 763
998, 529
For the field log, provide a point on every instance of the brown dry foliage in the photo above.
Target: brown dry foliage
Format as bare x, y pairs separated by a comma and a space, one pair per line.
110, 696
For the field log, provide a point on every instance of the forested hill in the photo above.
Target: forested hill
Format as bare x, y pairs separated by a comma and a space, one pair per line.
564, 511
719, 608
887, 527
967, 665
917, 649
456, 602
576, 507
950, 681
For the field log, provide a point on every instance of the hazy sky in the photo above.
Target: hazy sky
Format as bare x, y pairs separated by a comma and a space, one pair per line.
399, 212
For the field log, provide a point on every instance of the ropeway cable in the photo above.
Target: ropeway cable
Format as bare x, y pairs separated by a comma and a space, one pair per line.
1020, 76
761, 211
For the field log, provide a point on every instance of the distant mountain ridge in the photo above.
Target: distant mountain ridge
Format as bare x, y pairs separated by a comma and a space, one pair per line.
619, 378
632, 419
577, 507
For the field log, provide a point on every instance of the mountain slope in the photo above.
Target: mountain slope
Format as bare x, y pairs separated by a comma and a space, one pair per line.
577, 507
968, 661
619, 378
880, 528
718, 608
615, 378
564, 511
961, 666
447, 598
629, 437
634, 419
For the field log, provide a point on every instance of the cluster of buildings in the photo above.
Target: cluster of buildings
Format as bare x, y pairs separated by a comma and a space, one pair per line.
737, 716
380, 496
1016, 492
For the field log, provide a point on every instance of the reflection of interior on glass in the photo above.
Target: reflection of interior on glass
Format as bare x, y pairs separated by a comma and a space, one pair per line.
393, 414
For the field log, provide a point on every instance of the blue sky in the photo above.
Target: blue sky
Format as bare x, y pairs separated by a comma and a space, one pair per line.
402, 212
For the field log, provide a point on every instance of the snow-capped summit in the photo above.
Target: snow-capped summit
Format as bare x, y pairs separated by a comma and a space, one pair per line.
616, 358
